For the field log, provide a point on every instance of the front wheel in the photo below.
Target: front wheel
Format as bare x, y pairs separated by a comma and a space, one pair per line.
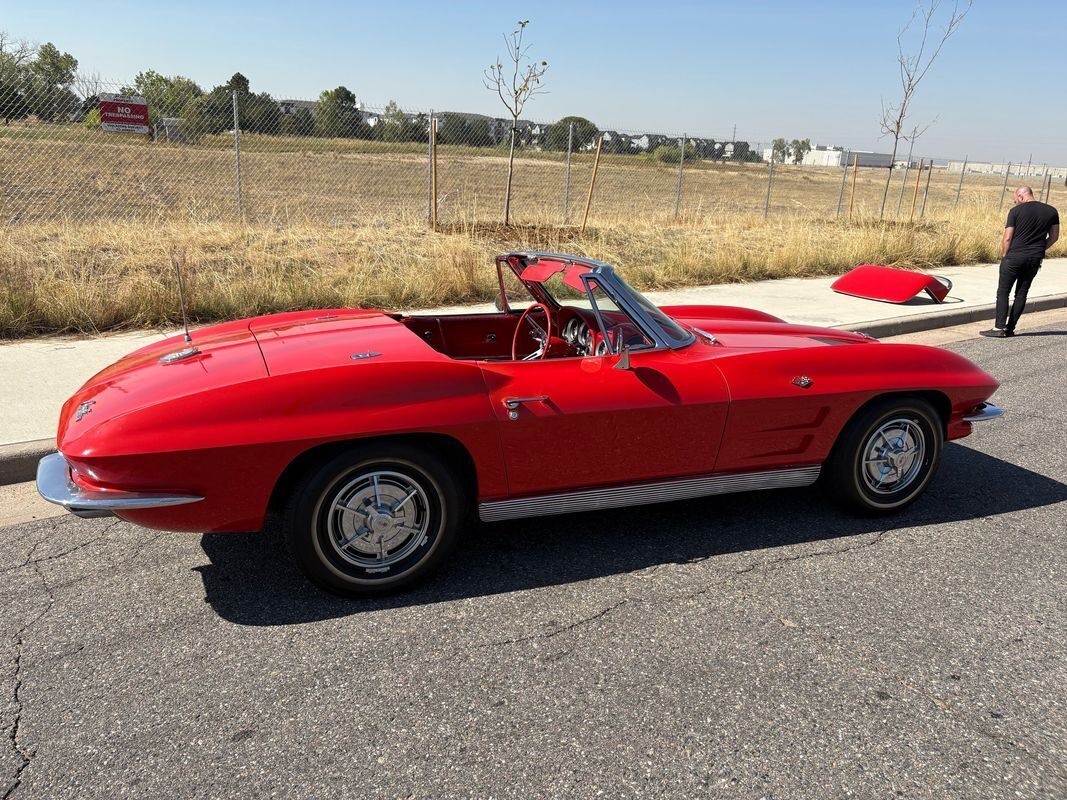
373, 519
886, 455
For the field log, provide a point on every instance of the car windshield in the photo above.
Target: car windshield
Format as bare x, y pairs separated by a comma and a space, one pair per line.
565, 285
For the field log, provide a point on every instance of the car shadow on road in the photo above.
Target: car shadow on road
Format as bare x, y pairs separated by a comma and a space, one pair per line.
250, 581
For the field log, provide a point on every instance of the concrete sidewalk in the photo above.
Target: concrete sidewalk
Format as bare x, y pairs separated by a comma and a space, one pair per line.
40, 374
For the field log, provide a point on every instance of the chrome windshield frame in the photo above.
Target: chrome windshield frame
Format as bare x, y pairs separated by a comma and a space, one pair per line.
619, 290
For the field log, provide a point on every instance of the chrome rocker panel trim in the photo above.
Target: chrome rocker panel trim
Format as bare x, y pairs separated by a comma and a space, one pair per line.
55, 486
646, 493
984, 412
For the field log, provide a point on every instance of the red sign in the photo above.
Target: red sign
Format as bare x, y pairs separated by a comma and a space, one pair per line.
123, 114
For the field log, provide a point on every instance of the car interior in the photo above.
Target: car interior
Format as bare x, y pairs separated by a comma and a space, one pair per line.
534, 323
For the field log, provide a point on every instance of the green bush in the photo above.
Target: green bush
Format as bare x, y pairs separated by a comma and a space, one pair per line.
671, 153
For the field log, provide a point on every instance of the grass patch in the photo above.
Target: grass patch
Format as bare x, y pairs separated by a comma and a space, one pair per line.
69, 277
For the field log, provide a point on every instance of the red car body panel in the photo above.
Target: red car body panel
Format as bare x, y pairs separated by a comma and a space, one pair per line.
889, 285
225, 424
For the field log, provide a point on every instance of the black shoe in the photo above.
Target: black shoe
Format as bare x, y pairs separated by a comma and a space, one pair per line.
996, 333
1009, 331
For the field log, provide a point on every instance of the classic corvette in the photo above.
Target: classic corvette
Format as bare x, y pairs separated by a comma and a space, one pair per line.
373, 438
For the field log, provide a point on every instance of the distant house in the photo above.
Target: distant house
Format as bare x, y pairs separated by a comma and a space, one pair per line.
292, 106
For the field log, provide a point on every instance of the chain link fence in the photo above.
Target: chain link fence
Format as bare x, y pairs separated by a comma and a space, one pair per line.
234, 155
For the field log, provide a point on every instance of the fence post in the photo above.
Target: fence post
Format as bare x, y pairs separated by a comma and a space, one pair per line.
852, 194
567, 175
1048, 193
429, 171
915, 194
959, 186
926, 191
681, 168
903, 185
592, 181
1044, 178
1004, 188
433, 174
237, 157
841, 191
770, 176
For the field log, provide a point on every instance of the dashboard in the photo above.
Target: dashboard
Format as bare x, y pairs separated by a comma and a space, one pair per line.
579, 334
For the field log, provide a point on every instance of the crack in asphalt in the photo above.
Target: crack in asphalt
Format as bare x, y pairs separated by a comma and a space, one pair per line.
604, 612
24, 754
30, 561
775, 562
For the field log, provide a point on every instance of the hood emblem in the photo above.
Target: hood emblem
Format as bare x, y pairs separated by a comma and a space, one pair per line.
361, 356
803, 381
83, 409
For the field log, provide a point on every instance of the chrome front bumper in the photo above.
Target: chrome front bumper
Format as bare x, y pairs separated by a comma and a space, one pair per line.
984, 412
55, 485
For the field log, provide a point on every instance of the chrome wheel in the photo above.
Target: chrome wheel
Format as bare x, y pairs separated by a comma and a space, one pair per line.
893, 456
378, 519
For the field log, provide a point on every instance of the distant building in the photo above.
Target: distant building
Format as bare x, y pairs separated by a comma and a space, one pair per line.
292, 106
834, 156
1001, 167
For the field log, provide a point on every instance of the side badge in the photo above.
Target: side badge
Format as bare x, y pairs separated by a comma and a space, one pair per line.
803, 381
361, 356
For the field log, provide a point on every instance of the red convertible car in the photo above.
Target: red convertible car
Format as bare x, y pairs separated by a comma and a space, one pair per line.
374, 437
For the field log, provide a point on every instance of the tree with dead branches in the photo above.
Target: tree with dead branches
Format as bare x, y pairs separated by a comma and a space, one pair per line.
913, 67
514, 85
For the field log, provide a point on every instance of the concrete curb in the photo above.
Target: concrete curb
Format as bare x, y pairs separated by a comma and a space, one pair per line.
18, 462
947, 318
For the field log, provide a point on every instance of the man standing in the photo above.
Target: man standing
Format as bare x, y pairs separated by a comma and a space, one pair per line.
1032, 228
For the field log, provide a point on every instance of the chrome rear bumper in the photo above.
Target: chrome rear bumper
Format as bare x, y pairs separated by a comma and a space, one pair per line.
55, 485
984, 412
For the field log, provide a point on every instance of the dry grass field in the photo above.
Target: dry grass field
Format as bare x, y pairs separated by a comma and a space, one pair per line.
91, 225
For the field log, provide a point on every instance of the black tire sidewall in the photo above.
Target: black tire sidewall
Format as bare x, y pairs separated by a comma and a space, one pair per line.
846, 462
307, 536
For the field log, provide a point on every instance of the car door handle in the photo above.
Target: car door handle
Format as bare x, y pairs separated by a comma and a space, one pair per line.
512, 403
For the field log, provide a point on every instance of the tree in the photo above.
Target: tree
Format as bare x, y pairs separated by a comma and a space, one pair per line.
464, 129
779, 150
514, 91
167, 96
585, 133
300, 123
51, 74
799, 148
212, 113
396, 126
337, 114
913, 68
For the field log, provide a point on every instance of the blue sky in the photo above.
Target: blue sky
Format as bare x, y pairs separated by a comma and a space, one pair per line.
815, 69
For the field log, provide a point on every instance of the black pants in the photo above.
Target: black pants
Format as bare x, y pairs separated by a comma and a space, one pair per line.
1019, 271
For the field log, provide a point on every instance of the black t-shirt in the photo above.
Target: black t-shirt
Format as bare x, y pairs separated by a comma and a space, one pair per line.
1032, 221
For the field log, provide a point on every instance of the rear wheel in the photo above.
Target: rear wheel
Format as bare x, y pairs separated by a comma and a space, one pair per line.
886, 455
373, 519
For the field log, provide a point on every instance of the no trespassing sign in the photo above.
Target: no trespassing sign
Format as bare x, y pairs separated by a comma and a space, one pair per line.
122, 113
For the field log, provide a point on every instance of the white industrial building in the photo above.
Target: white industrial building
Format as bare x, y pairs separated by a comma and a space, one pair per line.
832, 156
1001, 167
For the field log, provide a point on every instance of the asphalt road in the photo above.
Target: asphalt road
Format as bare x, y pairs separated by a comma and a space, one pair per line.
758, 645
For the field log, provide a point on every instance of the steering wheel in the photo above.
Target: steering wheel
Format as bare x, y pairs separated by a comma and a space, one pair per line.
542, 335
